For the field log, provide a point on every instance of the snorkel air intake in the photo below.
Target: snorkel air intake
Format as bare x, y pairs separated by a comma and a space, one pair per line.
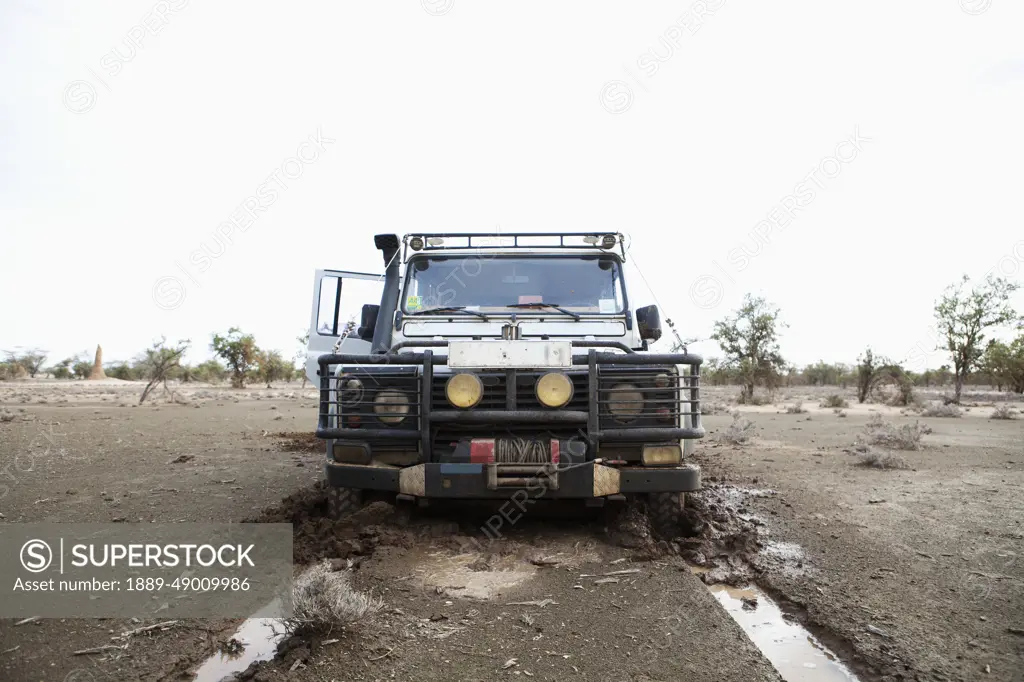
382, 331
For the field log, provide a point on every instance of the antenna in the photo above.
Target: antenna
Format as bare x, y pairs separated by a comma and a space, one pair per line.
680, 343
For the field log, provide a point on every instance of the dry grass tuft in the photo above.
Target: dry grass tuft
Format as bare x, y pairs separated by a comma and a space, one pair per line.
1003, 412
834, 400
796, 408
739, 432
942, 410
713, 407
324, 599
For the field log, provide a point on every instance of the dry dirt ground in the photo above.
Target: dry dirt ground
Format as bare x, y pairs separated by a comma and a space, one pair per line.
931, 556
907, 574
82, 452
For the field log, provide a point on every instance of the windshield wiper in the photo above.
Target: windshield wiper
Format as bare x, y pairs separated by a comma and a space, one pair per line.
553, 306
451, 309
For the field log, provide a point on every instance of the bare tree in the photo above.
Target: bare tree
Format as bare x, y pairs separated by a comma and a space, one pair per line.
965, 314
157, 362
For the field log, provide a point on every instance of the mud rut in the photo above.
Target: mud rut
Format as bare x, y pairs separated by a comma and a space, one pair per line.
718, 535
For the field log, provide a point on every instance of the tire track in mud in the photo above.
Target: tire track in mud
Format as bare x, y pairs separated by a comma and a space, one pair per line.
457, 562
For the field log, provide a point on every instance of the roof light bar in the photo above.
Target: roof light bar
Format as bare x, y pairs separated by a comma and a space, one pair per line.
516, 240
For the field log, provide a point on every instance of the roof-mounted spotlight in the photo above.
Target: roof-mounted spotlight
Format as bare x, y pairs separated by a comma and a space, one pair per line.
608, 241
416, 243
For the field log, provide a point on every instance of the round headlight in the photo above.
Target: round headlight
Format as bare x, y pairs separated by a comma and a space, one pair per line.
625, 402
351, 392
391, 407
464, 390
554, 390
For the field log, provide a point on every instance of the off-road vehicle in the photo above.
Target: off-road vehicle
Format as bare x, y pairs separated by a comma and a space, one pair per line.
495, 366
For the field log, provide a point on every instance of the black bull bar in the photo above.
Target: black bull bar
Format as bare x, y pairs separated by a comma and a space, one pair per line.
588, 421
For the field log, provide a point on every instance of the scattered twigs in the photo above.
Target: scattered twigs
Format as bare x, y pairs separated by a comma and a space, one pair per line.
96, 650
136, 631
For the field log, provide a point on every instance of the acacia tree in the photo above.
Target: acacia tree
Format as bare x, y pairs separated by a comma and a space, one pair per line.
239, 352
749, 340
157, 363
866, 367
1005, 364
210, 372
31, 360
824, 374
81, 368
62, 370
270, 367
964, 314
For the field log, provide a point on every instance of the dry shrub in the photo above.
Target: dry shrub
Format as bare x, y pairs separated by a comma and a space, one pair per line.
916, 405
869, 456
739, 432
1003, 412
834, 400
944, 410
11, 370
904, 437
324, 599
796, 408
714, 407
754, 399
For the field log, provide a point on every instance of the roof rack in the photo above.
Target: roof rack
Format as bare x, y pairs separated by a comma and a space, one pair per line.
452, 241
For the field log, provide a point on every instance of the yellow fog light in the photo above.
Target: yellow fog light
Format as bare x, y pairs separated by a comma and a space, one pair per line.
464, 390
391, 407
554, 390
662, 455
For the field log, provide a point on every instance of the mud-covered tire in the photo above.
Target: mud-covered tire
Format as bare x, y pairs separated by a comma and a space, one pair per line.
343, 501
665, 511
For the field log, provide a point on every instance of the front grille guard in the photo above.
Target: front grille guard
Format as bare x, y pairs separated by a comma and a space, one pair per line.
594, 423
638, 397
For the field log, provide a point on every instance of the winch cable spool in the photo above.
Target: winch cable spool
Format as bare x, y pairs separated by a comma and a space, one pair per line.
520, 451
337, 344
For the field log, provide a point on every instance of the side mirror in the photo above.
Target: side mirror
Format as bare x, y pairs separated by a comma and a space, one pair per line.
367, 322
648, 321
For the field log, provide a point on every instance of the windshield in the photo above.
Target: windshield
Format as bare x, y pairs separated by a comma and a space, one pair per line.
589, 284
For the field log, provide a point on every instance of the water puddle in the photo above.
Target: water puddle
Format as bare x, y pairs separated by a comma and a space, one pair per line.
795, 653
259, 638
471, 575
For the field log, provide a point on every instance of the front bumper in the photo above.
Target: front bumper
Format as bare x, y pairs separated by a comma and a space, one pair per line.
476, 481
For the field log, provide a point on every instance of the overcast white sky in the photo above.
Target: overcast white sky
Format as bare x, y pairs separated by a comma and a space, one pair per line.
460, 116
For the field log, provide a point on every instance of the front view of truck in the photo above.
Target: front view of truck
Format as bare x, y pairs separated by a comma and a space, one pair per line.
508, 366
